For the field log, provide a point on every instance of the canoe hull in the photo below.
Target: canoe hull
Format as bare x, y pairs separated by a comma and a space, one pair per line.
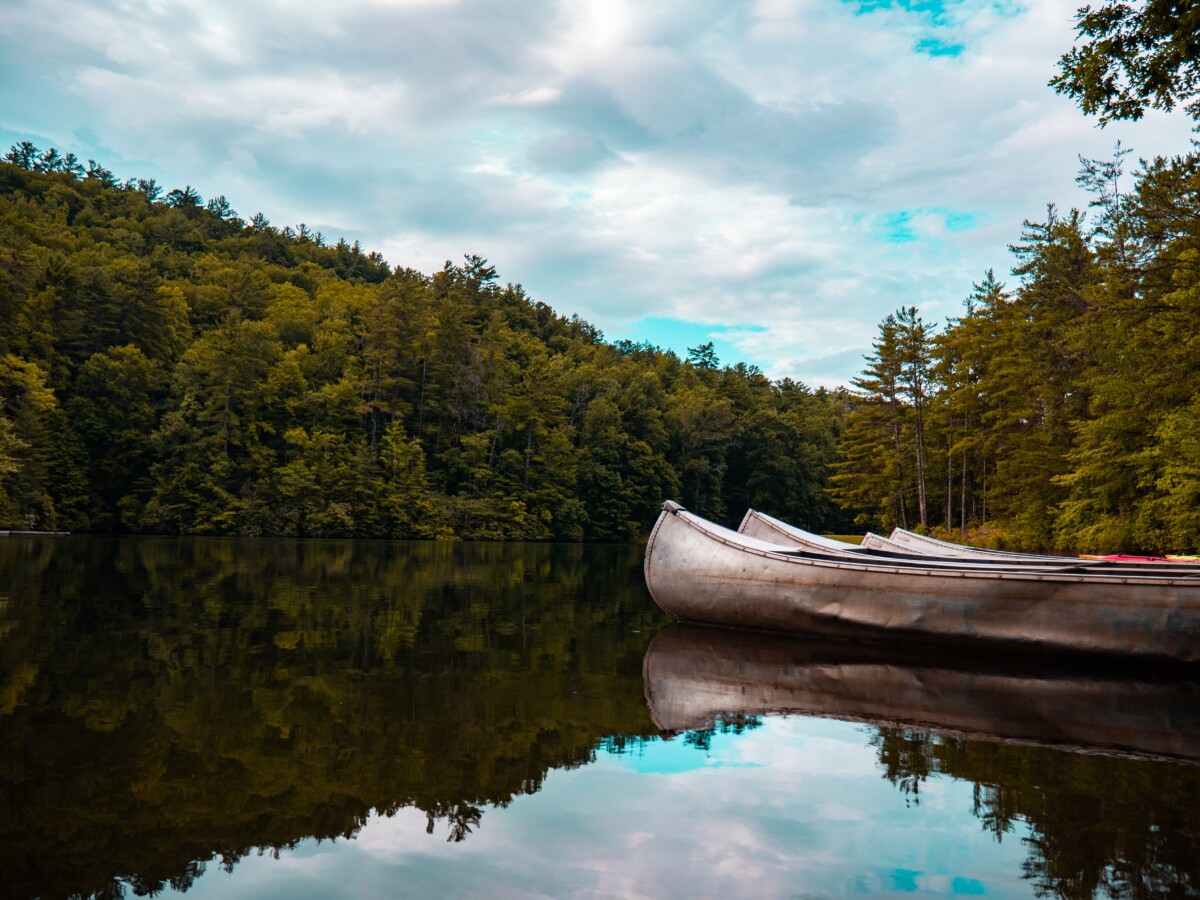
701, 573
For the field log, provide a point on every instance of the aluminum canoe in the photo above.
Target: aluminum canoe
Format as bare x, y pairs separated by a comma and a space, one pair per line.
700, 572
759, 525
922, 543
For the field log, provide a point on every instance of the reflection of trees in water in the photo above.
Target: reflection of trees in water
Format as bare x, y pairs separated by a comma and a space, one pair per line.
1099, 825
701, 738
171, 702
906, 758
462, 818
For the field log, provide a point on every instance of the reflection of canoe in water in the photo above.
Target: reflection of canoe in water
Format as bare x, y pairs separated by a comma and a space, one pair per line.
695, 676
701, 572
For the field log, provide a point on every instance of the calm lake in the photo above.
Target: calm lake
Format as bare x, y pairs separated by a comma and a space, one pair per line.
260, 718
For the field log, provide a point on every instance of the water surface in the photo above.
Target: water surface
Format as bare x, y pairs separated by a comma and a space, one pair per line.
284, 718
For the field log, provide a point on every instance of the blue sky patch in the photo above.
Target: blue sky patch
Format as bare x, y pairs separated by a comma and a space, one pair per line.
899, 228
934, 15
679, 335
932, 46
905, 880
967, 887
935, 10
957, 221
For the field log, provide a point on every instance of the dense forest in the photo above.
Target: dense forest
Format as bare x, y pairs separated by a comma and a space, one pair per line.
1063, 411
166, 366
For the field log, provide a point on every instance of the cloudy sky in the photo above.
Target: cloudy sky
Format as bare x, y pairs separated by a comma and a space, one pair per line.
775, 176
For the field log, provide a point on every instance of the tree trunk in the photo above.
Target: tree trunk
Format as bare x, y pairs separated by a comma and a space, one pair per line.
983, 517
962, 512
949, 490
899, 474
528, 454
919, 435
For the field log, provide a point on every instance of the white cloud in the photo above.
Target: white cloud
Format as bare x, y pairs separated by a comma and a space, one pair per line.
535, 96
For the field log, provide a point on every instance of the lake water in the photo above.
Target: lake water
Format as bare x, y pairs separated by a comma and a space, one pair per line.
228, 718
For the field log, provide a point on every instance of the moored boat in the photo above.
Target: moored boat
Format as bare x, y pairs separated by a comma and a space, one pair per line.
873, 541
700, 572
759, 525
764, 527
923, 543
767, 528
695, 677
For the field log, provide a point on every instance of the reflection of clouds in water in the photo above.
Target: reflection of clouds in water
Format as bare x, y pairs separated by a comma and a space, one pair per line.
387, 837
795, 806
806, 746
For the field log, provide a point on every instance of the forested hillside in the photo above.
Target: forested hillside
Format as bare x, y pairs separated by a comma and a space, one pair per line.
1063, 410
167, 366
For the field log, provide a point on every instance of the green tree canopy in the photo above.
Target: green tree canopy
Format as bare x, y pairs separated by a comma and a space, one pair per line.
1133, 57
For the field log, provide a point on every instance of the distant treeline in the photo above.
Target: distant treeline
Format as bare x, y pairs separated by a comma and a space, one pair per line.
1063, 412
168, 366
